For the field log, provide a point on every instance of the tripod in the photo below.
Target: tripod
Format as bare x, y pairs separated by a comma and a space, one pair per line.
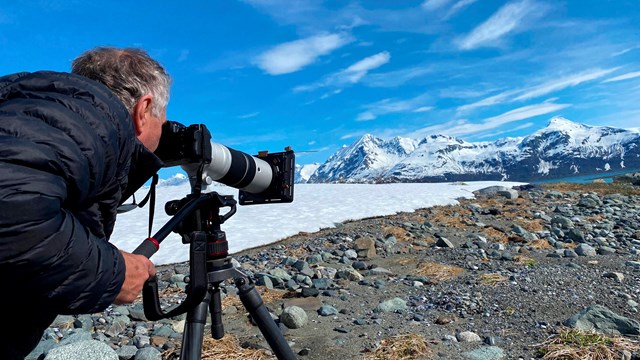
197, 219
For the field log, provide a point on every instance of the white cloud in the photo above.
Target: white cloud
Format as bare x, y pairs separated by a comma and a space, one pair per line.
444, 9
431, 5
398, 77
365, 116
350, 75
623, 118
506, 20
495, 134
463, 127
246, 116
624, 51
524, 112
631, 75
330, 94
562, 83
352, 135
538, 90
457, 7
388, 106
492, 100
310, 17
358, 70
293, 56
184, 54
423, 109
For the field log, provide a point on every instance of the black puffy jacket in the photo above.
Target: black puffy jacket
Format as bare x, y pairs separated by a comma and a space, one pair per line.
66, 147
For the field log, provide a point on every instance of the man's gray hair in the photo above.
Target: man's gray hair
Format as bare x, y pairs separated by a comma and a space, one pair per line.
130, 73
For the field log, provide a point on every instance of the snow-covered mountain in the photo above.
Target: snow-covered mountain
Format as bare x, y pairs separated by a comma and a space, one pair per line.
177, 179
564, 148
304, 172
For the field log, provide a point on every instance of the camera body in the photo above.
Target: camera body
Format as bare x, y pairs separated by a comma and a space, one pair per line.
181, 145
266, 178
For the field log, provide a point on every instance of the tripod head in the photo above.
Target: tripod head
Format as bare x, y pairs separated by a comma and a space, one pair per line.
197, 219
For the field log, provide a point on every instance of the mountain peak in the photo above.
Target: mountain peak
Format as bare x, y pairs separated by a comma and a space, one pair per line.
560, 123
177, 179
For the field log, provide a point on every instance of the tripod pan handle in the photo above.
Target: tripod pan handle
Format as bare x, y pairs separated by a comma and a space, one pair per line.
148, 247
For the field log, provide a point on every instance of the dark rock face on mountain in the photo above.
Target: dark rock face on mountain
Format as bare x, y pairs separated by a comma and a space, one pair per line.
562, 149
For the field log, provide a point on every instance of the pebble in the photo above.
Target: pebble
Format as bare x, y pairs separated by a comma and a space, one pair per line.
468, 336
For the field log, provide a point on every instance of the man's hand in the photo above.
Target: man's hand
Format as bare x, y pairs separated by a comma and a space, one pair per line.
138, 270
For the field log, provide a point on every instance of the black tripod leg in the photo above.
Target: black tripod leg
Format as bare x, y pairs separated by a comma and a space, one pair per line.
194, 330
215, 309
254, 304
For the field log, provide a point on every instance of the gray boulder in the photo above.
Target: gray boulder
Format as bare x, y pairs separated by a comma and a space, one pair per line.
294, 317
395, 305
498, 191
83, 350
486, 353
602, 320
148, 353
585, 250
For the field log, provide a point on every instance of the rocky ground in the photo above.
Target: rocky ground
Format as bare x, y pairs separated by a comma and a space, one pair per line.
491, 278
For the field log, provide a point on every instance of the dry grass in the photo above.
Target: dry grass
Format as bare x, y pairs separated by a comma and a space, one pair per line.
438, 272
572, 344
428, 240
267, 295
488, 202
403, 347
444, 216
492, 279
412, 217
523, 260
169, 290
594, 218
540, 245
270, 295
497, 202
531, 225
496, 235
298, 252
403, 261
399, 233
599, 188
227, 348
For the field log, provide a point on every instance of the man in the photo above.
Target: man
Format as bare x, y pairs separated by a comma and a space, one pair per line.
72, 150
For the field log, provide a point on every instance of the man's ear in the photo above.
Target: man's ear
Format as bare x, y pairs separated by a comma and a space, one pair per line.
141, 113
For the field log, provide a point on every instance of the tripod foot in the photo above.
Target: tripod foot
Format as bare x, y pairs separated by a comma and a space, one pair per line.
270, 330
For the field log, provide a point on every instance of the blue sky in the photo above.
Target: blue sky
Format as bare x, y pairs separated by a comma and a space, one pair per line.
265, 74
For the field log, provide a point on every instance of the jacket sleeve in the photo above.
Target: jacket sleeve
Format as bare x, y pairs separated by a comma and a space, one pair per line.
46, 254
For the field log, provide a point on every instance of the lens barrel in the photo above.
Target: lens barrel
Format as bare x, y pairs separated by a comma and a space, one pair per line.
237, 169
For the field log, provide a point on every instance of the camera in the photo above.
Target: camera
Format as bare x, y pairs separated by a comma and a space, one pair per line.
264, 178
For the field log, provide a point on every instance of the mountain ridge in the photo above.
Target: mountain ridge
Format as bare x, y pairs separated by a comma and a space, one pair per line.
563, 148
